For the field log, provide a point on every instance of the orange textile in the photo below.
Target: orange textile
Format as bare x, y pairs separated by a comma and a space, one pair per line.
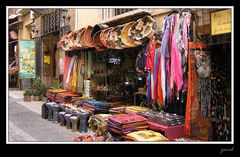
192, 126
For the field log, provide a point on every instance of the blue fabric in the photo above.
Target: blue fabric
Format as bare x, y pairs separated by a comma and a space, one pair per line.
96, 103
149, 88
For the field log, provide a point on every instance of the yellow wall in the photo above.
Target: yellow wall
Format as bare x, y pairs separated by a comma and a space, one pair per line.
86, 17
24, 31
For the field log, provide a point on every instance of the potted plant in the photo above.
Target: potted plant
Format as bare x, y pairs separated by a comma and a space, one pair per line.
27, 96
37, 89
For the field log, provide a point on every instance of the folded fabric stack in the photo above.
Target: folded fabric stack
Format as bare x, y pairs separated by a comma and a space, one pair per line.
122, 124
51, 94
145, 136
136, 109
183, 139
163, 118
98, 122
64, 97
95, 106
89, 138
117, 110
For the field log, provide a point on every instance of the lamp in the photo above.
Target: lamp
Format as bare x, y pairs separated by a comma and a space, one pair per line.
33, 26
64, 16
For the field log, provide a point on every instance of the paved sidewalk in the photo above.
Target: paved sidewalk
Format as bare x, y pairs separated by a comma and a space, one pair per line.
26, 125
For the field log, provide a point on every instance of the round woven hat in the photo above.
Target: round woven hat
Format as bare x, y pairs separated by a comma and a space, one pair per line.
97, 28
108, 41
115, 37
119, 41
148, 26
112, 38
104, 36
76, 42
63, 43
97, 42
87, 36
70, 39
141, 29
124, 35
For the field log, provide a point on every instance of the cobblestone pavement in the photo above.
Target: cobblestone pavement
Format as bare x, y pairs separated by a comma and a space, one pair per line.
26, 125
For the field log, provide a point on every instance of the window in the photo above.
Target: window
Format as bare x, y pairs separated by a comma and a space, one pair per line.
109, 13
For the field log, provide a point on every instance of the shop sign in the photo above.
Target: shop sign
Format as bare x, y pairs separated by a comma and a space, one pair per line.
221, 22
27, 58
47, 59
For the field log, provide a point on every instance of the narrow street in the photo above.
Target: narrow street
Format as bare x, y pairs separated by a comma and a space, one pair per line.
26, 125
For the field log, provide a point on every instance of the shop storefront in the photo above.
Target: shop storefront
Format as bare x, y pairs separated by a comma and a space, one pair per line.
130, 81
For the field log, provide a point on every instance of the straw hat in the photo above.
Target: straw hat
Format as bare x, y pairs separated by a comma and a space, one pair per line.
114, 37
125, 37
97, 42
87, 36
63, 43
76, 41
108, 41
70, 39
97, 28
104, 36
143, 28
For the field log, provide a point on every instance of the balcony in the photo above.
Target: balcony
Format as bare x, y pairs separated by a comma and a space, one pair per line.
114, 17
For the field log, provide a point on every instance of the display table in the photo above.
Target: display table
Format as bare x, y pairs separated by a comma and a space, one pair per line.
170, 132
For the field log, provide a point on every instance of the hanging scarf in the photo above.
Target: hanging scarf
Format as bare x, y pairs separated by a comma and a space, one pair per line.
80, 75
156, 73
69, 72
66, 66
164, 50
159, 82
176, 67
191, 127
74, 77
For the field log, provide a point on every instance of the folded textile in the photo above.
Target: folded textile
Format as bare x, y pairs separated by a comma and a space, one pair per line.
99, 122
96, 103
146, 136
136, 109
122, 124
127, 119
163, 118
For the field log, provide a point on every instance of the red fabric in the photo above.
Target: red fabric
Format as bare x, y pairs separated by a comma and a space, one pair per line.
170, 132
192, 126
159, 85
127, 118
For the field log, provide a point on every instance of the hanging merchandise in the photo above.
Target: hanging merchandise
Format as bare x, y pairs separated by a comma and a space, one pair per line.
87, 88
197, 124
192, 108
220, 105
73, 75
141, 61
151, 48
204, 83
81, 74
73, 87
102, 37
89, 70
